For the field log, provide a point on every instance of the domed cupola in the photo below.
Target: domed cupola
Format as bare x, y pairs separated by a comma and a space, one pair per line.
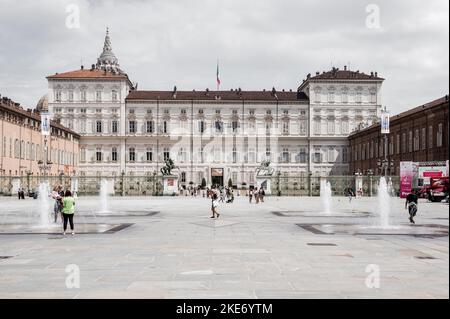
107, 60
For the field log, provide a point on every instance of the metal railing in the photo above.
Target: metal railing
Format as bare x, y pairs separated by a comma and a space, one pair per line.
126, 185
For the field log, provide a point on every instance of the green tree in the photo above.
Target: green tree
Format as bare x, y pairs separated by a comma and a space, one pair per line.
203, 182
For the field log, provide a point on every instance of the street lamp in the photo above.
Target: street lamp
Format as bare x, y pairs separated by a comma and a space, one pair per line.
278, 183
384, 164
370, 174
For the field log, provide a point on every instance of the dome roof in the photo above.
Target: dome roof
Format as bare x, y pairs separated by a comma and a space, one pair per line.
42, 105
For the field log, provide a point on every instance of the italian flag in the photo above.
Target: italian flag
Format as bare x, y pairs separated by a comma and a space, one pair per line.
217, 76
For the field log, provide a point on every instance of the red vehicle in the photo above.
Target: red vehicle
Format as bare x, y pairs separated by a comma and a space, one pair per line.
437, 190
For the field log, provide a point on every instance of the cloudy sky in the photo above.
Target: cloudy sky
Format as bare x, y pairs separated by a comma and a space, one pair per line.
260, 43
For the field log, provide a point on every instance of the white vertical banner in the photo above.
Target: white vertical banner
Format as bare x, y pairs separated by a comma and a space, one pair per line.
45, 123
385, 122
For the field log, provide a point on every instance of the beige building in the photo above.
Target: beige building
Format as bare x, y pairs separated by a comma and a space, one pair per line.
22, 147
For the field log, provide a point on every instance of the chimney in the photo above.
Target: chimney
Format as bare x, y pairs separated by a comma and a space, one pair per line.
317, 73
376, 74
308, 76
345, 68
82, 67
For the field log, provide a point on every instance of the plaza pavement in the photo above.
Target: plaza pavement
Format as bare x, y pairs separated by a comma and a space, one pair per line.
249, 252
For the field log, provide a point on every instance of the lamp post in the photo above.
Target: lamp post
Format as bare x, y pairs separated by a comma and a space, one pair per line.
278, 183
384, 164
370, 174
122, 182
29, 173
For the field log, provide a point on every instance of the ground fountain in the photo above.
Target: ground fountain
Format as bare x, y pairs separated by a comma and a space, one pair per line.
325, 196
44, 204
104, 191
384, 203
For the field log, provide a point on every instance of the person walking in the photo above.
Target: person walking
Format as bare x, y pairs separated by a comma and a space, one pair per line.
411, 203
250, 195
256, 195
68, 211
214, 205
262, 193
58, 206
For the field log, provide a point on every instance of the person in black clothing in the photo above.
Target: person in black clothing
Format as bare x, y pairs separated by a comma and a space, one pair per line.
411, 202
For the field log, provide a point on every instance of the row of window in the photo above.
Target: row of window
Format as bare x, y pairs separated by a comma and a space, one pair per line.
406, 142
217, 126
31, 151
286, 156
331, 127
98, 96
331, 97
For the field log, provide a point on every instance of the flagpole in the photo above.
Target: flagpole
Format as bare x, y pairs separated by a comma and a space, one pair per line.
217, 76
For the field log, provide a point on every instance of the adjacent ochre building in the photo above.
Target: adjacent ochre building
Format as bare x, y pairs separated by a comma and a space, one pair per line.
22, 146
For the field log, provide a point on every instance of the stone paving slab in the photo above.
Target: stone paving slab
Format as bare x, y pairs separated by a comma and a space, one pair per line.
248, 253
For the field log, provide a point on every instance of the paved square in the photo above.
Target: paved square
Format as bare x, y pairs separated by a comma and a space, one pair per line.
168, 247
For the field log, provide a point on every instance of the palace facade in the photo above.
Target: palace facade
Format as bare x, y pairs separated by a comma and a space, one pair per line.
212, 135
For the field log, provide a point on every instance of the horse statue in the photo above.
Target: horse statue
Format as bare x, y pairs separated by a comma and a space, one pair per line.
264, 169
167, 170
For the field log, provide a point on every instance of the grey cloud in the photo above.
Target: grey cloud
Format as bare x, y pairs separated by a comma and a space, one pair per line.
260, 44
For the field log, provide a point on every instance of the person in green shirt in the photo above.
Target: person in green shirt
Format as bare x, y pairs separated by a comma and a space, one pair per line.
68, 211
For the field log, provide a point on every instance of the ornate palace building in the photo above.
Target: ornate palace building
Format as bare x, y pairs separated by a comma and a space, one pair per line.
215, 135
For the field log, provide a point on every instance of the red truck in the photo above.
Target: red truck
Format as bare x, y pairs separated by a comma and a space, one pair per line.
437, 190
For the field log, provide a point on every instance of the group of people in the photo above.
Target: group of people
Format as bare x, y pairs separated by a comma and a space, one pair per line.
258, 194
64, 207
193, 191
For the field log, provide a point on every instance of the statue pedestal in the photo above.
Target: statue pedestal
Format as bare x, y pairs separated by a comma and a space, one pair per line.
170, 184
265, 182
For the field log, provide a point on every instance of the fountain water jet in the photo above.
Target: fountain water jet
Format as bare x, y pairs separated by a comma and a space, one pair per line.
325, 195
44, 205
104, 190
384, 203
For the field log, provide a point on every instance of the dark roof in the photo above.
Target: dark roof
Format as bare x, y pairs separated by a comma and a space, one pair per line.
412, 111
337, 74
13, 107
421, 108
235, 95
341, 75
88, 74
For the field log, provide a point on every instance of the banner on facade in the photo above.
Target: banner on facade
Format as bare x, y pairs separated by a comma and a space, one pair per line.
45, 123
385, 122
409, 172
